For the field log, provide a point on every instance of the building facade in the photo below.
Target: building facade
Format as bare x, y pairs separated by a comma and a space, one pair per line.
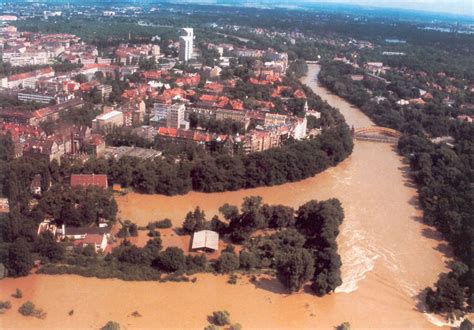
186, 44
175, 117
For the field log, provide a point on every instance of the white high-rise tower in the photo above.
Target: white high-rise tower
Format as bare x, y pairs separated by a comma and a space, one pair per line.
186, 44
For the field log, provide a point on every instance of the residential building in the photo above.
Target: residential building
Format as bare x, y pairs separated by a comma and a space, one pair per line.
274, 119
236, 115
97, 237
43, 97
104, 90
112, 118
256, 141
27, 58
18, 116
175, 117
186, 44
48, 149
160, 113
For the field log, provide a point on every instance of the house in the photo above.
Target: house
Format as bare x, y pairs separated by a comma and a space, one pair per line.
206, 240
35, 186
84, 180
84, 236
48, 150
95, 145
80, 233
98, 241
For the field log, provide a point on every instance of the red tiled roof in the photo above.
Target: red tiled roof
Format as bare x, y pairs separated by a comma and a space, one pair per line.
97, 180
215, 87
237, 104
153, 74
167, 131
93, 239
258, 82
299, 94
223, 101
208, 98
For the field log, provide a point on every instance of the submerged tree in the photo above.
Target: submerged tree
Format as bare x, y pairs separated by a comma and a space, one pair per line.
295, 268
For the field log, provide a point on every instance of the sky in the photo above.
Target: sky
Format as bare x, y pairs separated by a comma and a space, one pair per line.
463, 7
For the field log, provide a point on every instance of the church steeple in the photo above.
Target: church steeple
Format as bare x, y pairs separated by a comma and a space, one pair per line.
305, 108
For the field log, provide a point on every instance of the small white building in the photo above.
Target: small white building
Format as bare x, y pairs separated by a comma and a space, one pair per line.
206, 240
112, 118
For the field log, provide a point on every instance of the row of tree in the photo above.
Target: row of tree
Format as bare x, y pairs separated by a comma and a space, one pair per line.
445, 178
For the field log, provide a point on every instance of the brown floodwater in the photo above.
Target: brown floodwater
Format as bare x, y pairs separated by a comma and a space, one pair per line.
388, 257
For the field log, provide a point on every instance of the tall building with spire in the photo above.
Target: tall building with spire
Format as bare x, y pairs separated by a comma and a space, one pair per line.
186, 44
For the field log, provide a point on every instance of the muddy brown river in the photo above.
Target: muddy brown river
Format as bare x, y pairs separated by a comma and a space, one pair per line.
388, 257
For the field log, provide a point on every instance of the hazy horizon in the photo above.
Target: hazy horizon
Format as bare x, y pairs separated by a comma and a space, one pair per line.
460, 7
453, 7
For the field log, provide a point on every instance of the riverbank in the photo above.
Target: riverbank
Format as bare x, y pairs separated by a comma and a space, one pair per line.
388, 257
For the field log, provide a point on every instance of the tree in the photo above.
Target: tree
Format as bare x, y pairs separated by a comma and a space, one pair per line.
49, 248
295, 268
227, 262
20, 260
29, 309
194, 221
248, 260
193, 120
221, 318
448, 296
344, 326
7, 148
252, 216
279, 216
4, 305
111, 325
321, 218
465, 325
211, 327
153, 247
229, 211
81, 78
218, 226
197, 263
128, 229
132, 254
171, 260
18, 294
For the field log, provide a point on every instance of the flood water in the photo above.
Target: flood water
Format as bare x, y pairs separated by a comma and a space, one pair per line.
388, 257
